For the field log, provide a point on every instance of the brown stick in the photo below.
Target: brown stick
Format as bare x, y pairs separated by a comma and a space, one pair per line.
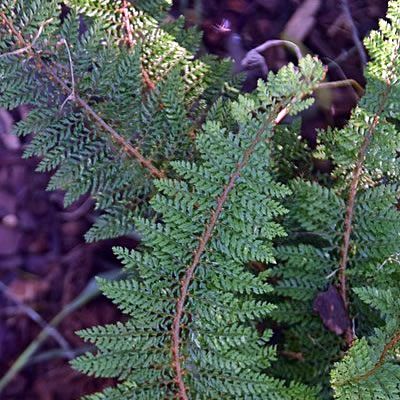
344, 252
344, 83
20, 40
115, 136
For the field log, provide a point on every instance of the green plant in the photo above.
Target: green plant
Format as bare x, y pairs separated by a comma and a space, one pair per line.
107, 117
112, 109
345, 231
191, 299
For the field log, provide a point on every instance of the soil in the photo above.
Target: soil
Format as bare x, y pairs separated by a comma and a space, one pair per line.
45, 264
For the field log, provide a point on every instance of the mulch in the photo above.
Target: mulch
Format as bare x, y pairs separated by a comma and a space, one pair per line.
44, 261
318, 27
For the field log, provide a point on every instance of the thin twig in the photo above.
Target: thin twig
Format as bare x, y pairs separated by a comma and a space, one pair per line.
394, 258
359, 90
20, 40
116, 137
58, 353
28, 46
40, 30
254, 57
71, 96
15, 52
354, 32
89, 293
279, 42
344, 252
35, 317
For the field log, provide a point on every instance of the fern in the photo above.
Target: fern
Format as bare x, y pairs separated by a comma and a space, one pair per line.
107, 117
118, 95
161, 53
345, 232
370, 369
192, 302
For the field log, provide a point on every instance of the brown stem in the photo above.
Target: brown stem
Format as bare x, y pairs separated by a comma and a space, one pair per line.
356, 175
147, 80
115, 136
388, 347
129, 40
204, 239
281, 111
20, 40
127, 24
344, 252
344, 83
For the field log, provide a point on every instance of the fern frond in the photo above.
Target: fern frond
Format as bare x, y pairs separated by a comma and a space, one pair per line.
345, 231
94, 119
370, 368
192, 302
161, 52
374, 118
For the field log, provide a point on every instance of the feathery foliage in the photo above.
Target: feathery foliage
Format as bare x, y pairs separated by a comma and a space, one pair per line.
117, 94
359, 199
196, 259
369, 370
106, 116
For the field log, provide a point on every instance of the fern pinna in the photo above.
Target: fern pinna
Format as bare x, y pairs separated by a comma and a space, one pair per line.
346, 232
193, 303
107, 116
